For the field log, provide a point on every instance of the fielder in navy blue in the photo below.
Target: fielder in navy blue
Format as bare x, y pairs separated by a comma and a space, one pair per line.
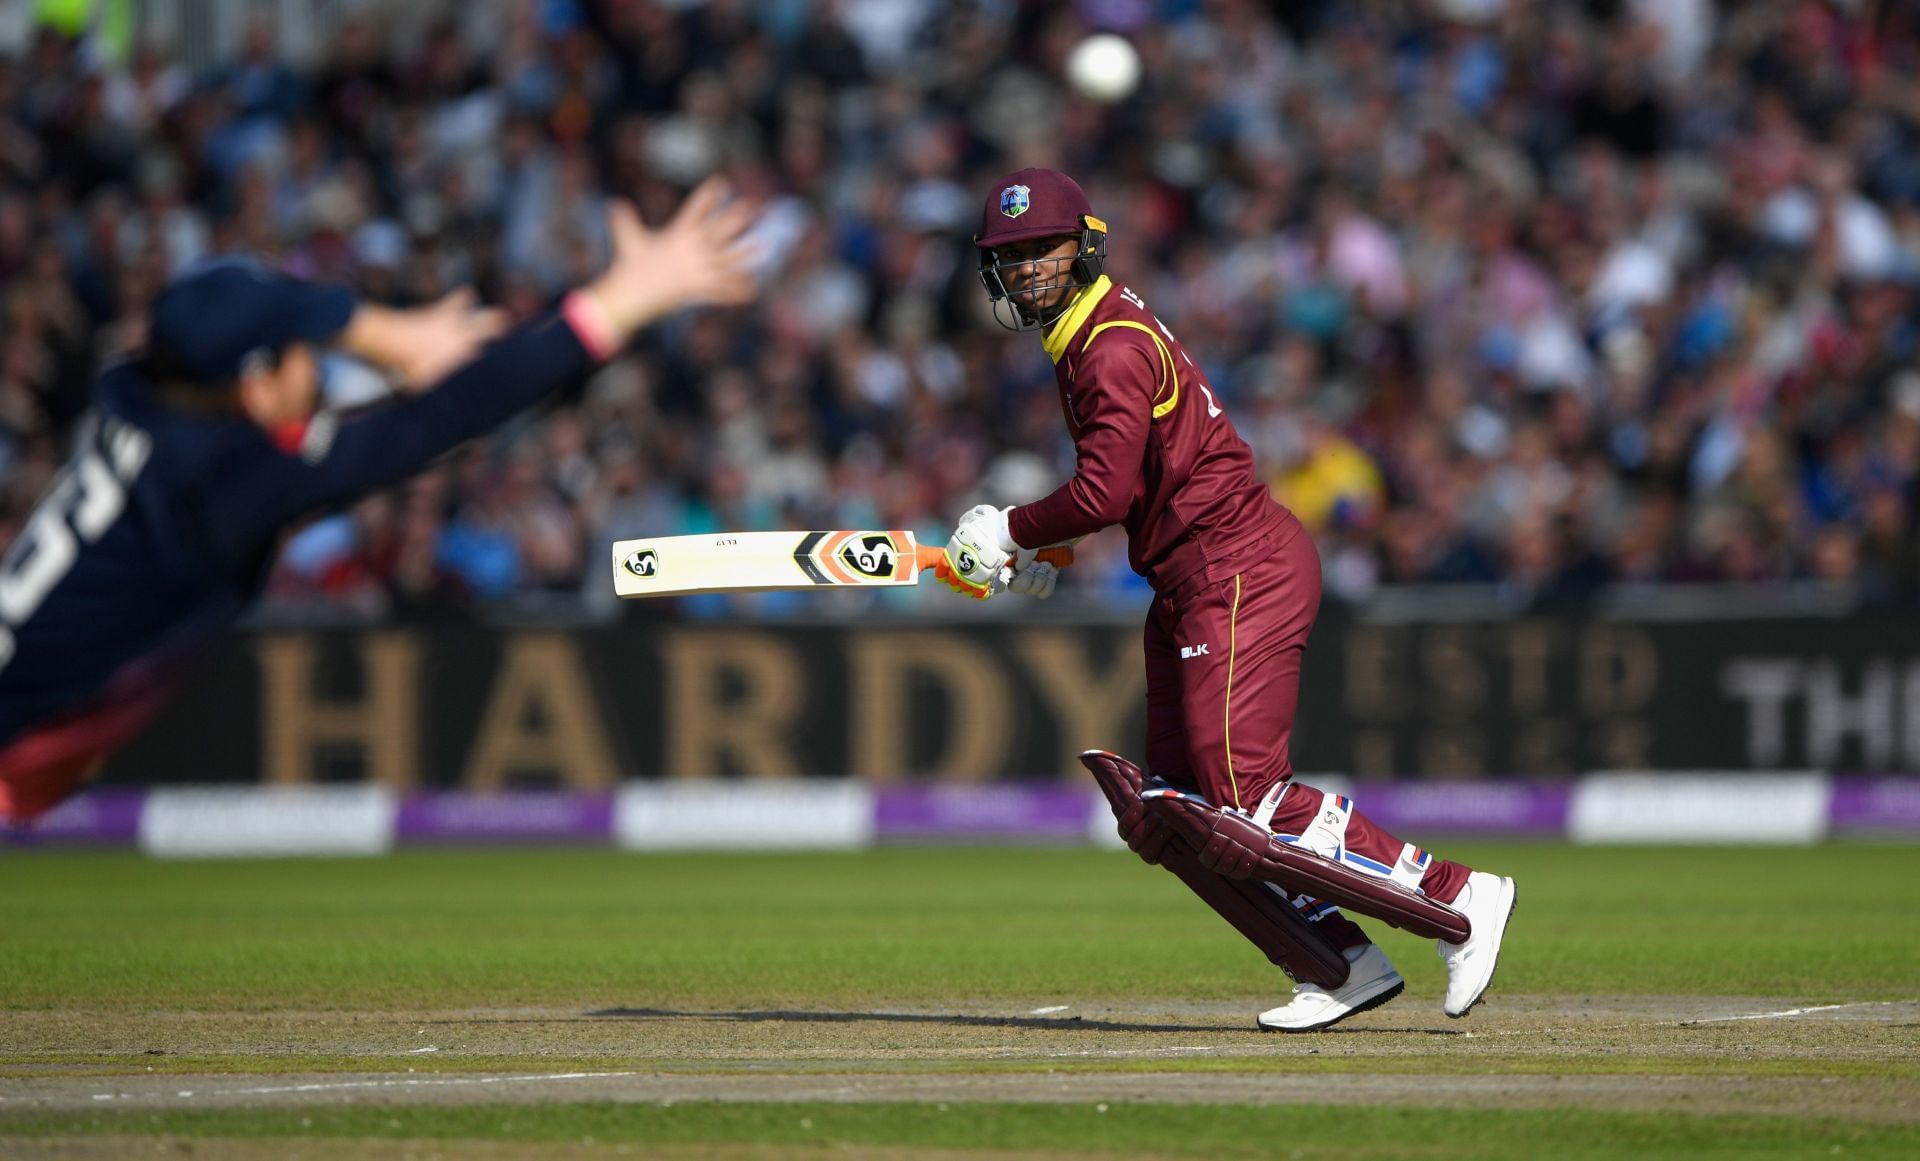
196, 457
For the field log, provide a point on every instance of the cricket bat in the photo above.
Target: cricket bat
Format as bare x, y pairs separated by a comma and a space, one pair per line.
741, 562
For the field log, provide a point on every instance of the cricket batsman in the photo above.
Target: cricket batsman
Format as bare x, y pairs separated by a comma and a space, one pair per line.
1236, 583
200, 453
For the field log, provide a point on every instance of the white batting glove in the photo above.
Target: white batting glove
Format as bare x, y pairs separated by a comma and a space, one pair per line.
1033, 578
980, 547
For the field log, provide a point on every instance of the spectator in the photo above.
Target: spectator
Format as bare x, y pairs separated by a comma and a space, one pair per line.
1532, 294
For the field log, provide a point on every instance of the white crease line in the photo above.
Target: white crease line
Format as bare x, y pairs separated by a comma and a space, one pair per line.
1793, 1012
419, 1082
1686, 1023
1124, 1052
1049, 1011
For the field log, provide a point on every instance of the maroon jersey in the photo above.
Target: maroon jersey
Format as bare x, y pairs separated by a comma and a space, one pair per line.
1155, 451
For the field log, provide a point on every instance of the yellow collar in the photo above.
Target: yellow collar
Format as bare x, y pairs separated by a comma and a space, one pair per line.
1068, 324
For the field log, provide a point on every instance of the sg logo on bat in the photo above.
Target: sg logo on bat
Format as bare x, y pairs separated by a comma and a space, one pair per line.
644, 562
873, 555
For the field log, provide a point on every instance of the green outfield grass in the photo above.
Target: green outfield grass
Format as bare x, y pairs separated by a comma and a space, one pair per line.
1211, 1131
491, 928
115, 936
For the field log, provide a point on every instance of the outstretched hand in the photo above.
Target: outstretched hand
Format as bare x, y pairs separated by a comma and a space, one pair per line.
699, 258
444, 336
420, 346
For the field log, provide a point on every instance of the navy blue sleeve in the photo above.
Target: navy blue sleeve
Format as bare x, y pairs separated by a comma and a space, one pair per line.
263, 489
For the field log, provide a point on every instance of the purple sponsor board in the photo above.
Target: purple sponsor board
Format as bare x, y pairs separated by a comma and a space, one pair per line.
997, 811
110, 815
514, 817
977, 812
1413, 809
1866, 804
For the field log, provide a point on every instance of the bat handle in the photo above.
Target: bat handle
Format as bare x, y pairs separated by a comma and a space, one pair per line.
930, 557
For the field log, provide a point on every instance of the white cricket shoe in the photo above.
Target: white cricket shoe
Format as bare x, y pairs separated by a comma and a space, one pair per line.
1370, 983
1487, 902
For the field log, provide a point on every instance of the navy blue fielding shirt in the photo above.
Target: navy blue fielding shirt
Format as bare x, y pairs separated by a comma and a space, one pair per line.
161, 529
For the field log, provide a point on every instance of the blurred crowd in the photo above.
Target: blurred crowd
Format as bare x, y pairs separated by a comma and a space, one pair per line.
1545, 295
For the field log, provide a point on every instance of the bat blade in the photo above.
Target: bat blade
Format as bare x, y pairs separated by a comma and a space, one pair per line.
663, 566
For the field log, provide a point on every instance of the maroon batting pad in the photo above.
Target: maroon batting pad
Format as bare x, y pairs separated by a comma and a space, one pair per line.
1241, 849
1268, 921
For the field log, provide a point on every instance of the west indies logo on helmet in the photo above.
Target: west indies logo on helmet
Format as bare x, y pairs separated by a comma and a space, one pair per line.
1026, 207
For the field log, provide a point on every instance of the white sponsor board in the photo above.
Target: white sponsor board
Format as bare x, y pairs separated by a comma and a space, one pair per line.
1103, 829
713, 816
1702, 807
208, 822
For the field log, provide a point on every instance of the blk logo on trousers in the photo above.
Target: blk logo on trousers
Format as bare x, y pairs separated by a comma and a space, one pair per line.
1189, 652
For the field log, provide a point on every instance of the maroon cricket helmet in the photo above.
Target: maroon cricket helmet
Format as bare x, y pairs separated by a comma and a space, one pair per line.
1033, 203
1038, 203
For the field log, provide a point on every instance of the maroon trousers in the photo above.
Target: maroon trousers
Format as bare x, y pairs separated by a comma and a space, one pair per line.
1223, 680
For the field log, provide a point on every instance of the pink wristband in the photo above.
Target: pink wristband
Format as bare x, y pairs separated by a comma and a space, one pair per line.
590, 325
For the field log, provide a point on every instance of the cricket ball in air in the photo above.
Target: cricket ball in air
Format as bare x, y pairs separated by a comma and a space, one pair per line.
1103, 68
